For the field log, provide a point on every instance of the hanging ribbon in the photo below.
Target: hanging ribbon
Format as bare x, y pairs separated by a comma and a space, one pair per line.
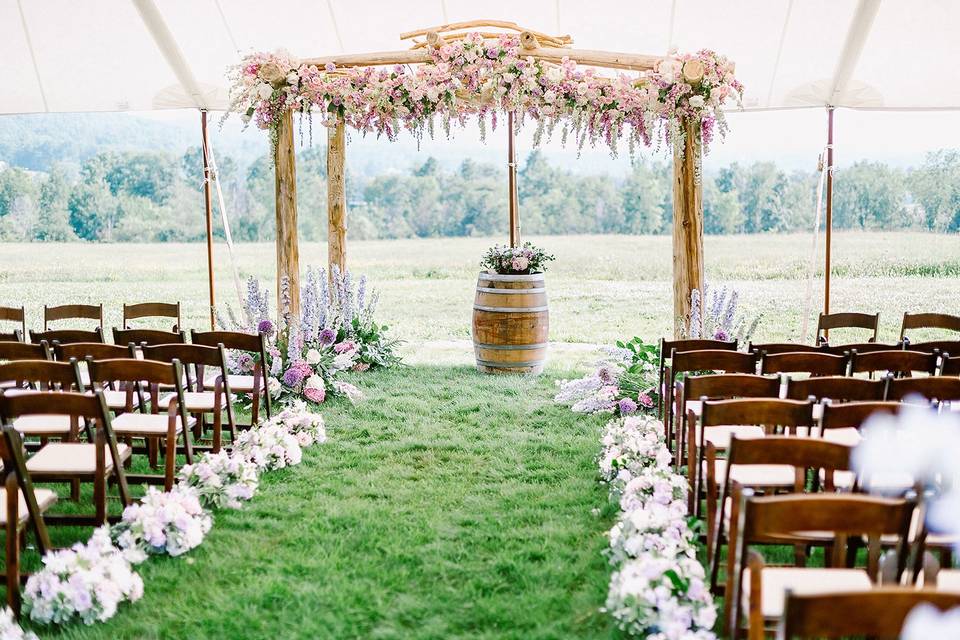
215, 176
811, 266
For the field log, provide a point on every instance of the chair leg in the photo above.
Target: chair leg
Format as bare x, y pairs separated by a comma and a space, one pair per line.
170, 462
75, 490
153, 446
217, 426
13, 568
100, 499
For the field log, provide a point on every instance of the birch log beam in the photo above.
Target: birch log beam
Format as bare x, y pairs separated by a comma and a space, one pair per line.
336, 197
687, 226
288, 249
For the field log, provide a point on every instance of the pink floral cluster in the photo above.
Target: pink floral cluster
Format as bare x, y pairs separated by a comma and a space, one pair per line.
482, 77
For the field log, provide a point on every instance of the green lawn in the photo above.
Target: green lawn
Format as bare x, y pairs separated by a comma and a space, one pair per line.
448, 505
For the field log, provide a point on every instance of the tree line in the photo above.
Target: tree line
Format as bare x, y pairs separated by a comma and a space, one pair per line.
157, 197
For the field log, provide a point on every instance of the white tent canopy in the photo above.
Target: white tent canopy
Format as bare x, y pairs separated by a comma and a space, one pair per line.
118, 55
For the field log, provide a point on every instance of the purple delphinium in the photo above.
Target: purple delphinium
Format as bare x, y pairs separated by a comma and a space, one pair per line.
327, 336
265, 327
626, 406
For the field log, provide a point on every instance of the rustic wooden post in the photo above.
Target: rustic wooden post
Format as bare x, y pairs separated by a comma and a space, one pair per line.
336, 197
687, 224
288, 249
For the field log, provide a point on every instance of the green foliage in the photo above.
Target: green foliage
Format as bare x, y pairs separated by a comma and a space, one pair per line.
376, 348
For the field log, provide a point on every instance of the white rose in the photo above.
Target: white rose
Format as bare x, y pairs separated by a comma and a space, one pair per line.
550, 96
554, 74
313, 356
265, 91
293, 78
314, 382
696, 101
669, 68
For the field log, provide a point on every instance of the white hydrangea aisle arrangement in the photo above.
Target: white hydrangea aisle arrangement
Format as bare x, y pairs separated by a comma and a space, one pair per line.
163, 523
221, 480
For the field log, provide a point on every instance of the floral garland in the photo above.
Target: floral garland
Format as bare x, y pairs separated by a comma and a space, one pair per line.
481, 77
658, 588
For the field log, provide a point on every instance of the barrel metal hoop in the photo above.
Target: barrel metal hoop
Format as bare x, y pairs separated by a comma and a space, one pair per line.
511, 291
511, 347
510, 309
509, 365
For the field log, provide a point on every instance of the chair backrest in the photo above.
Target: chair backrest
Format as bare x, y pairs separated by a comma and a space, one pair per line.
860, 347
942, 388
727, 361
757, 411
67, 336
24, 351
802, 453
939, 346
950, 366
730, 385
814, 364
72, 312
668, 347
11, 454
135, 370
852, 415
896, 362
14, 314
95, 350
929, 321
836, 388
141, 337
877, 613
783, 347
252, 342
42, 374
152, 310
828, 321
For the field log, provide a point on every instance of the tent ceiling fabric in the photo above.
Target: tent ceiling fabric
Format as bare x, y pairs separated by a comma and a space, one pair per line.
118, 55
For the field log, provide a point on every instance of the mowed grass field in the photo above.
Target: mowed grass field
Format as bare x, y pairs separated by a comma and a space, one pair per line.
601, 288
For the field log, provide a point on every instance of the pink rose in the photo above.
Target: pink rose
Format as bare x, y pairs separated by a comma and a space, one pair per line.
520, 263
644, 399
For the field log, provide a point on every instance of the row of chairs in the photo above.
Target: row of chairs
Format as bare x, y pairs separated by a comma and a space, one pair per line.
166, 310
870, 322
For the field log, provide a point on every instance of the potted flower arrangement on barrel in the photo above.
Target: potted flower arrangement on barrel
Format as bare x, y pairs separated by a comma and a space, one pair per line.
510, 316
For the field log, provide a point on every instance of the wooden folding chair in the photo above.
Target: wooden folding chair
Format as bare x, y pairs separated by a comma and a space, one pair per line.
950, 366
928, 321
937, 346
23, 508
96, 462
877, 613
116, 397
938, 388
152, 310
254, 384
758, 590
13, 314
199, 401
899, 363
773, 464
72, 312
67, 336
783, 347
141, 337
828, 321
667, 347
841, 388
841, 421
13, 351
697, 362
860, 347
764, 416
167, 420
29, 376
726, 386
812, 364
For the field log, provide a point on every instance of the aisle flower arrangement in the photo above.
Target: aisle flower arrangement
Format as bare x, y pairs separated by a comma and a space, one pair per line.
307, 427
10, 629
88, 582
658, 587
335, 332
716, 315
163, 523
482, 77
270, 446
221, 480
624, 382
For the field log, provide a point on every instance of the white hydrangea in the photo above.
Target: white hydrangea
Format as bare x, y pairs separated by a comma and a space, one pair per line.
163, 523
221, 480
269, 446
306, 425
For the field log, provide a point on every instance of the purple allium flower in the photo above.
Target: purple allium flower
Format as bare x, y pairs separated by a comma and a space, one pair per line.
606, 375
265, 327
327, 336
626, 406
720, 334
296, 374
245, 362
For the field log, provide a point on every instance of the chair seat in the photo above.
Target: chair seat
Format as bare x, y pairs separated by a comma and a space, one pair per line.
848, 436
196, 400
719, 436
757, 475
886, 483
801, 581
238, 383
948, 580
45, 498
117, 400
43, 425
145, 424
71, 458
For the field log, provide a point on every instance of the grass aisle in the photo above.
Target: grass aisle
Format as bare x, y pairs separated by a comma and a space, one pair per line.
446, 505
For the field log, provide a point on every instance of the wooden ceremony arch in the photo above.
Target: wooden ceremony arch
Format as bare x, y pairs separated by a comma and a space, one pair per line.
687, 190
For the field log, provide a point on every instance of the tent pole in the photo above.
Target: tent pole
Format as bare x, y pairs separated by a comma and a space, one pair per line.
512, 183
208, 209
687, 225
829, 221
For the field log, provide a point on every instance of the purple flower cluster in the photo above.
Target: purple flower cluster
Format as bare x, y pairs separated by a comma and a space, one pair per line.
297, 373
327, 336
266, 327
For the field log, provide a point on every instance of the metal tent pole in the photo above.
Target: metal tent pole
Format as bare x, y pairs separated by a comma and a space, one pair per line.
512, 183
208, 211
829, 222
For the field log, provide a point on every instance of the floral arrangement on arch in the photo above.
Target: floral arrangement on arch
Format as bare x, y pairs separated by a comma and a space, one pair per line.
483, 77
624, 382
335, 332
516, 260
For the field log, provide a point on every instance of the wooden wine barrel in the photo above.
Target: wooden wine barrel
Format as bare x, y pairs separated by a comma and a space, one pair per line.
510, 323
